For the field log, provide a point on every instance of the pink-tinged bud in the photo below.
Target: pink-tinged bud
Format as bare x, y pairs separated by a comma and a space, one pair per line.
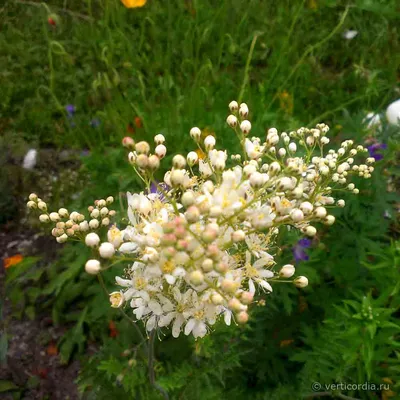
242, 317
222, 267
90, 208
168, 227
168, 239
192, 214
182, 245
235, 305
209, 235
128, 142
212, 251
228, 285
179, 221
180, 232
247, 297
169, 252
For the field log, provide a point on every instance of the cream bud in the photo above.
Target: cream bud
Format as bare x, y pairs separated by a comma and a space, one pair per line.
287, 271
92, 239
195, 133
106, 250
301, 282
92, 267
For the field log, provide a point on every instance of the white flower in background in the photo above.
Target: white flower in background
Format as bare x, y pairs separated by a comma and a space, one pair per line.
198, 247
30, 159
372, 121
393, 113
350, 34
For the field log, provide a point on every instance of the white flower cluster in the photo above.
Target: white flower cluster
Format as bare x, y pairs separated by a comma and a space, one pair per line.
201, 241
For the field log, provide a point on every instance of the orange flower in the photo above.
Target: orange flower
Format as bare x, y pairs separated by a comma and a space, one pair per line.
14, 260
285, 343
201, 154
113, 329
286, 102
52, 349
138, 122
133, 3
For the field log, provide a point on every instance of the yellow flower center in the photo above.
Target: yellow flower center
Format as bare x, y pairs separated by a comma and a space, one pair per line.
168, 267
140, 283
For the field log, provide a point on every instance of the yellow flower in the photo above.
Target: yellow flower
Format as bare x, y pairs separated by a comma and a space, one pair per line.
133, 3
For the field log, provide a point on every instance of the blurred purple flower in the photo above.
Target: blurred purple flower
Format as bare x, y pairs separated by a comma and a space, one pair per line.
70, 109
299, 252
95, 122
159, 188
374, 150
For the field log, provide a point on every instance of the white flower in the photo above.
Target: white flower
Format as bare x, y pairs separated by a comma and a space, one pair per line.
253, 149
393, 113
92, 267
350, 34
30, 159
205, 168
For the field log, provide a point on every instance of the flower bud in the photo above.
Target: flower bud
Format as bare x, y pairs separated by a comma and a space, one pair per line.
54, 217
92, 267
62, 239
274, 168
42, 206
242, 317
233, 106
217, 299
256, 180
105, 221
310, 231
93, 224
238, 236
228, 285
159, 139
177, 177
106, 250
132, 158
44, 218
63, 212
341, 203
207, 265
196, 278
160, 151
246, 297
292, 147
320, 212
329, 220
231, 121
179, 161
235, 305
154, 162
209, 142
128, 142
245, 127
297, 215
301, 282
192, 214
92, 239
195, 133
142, 161
33, 197
142, 147
104, 211
192, 158
306, 207
31, 204
287, 271
84, 226
243, 110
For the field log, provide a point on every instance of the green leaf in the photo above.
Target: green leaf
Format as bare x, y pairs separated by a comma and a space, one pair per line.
6, 386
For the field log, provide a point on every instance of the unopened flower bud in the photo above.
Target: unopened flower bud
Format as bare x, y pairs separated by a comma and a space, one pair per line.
177, 177
179, 161
54, 217
301, 282
217, 299
231, 121
84, 226
106, 250
105, 221
192, 158
154, 162
320, 212
235, 305
42, 206
243, 110
159, 139
195, 133
196, 277
306, 207
63, 212
209, 142
238, 236
187, 198
228, 285
297, 215
341, 203
242, 317
33, 197
93, 224
246, 297
233, 106
329, 220
310, 231
142, 147
44, 218
287, 271
142, 161
245, 127
92, 267
62, 239
207, 265
128, 142
92, 239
